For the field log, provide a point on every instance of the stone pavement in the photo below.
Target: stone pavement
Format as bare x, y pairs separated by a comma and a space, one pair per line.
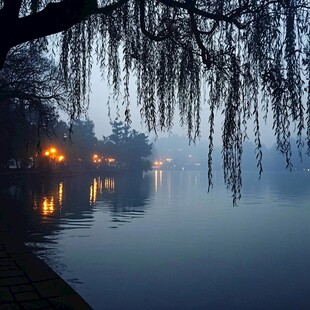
26, 282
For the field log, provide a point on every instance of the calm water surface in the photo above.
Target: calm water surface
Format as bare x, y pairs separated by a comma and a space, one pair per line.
160, 241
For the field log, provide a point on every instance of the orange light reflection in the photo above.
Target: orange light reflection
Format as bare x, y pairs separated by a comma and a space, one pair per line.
48, 205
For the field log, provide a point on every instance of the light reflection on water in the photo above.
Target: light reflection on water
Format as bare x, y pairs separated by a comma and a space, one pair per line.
173, 245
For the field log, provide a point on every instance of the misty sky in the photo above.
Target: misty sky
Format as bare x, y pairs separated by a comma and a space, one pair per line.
98, 113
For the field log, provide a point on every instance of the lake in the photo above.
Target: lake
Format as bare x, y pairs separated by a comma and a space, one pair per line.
160, 241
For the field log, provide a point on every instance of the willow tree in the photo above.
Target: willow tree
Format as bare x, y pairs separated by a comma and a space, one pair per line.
248, 56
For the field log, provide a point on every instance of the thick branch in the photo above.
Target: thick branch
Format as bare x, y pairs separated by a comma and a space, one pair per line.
204, 52
54, 18
11, 8
57, 17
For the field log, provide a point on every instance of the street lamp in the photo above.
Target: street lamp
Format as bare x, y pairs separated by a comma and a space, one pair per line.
53, 156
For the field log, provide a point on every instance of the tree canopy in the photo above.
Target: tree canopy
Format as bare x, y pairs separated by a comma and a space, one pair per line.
245, 57
31, 94
130, 147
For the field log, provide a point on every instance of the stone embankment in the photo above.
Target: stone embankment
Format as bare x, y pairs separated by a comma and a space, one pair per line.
26, 282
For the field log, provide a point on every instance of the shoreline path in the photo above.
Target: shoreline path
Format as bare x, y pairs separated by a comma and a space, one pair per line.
26, 282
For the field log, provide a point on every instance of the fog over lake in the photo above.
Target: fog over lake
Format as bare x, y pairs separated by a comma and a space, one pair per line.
160, 241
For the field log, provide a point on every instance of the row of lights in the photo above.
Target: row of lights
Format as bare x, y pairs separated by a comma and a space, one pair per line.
52, 154
98, 159
161, 162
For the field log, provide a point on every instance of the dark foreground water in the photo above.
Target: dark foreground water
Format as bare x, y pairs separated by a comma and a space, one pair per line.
160, 241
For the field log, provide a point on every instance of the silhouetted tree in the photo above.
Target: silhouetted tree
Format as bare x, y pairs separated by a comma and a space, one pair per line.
120, 133
252, 56
129, 147
30, 92
138, 150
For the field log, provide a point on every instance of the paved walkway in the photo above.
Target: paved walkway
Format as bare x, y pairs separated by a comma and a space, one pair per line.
26, 282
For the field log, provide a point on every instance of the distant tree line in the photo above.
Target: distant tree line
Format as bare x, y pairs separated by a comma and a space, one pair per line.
76, 145
127, 148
